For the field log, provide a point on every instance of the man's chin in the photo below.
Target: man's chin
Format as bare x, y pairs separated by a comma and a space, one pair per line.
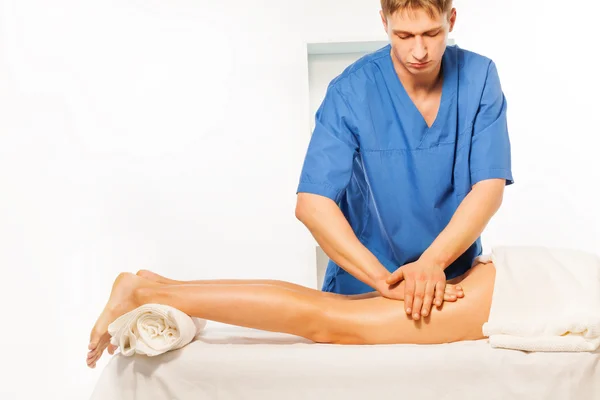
421, 67
425, 70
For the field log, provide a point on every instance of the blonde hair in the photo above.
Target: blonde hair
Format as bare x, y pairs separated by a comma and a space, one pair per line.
432, 7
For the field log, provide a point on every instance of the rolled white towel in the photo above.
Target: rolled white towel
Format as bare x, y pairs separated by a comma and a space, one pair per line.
154, 329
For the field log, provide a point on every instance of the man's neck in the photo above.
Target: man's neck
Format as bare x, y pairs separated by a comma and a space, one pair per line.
421, 85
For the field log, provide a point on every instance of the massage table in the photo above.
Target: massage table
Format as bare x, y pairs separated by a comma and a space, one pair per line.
226, 362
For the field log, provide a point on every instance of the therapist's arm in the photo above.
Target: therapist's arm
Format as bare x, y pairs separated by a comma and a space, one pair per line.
331, 230
467, 223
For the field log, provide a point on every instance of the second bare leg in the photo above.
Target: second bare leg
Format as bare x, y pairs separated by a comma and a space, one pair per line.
453, 291
273, 282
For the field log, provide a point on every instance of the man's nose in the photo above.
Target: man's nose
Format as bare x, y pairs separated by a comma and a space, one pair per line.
420, 50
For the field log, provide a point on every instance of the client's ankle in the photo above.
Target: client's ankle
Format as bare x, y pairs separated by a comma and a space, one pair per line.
143, 295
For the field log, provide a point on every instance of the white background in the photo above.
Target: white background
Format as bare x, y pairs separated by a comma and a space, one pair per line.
169, 135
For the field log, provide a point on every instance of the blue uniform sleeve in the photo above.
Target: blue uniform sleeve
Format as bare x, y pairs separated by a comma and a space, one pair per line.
490, 143
327, 167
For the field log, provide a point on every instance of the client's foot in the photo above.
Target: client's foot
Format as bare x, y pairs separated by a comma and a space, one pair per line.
120, 302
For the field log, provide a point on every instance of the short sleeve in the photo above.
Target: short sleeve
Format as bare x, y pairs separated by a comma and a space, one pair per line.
490, 144
327, 167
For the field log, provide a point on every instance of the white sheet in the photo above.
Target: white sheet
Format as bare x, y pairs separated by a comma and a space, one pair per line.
236, 363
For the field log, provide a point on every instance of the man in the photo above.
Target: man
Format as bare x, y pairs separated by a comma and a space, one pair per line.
408, 161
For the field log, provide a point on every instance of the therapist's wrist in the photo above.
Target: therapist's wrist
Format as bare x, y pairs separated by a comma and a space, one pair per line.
377, 273
438, 259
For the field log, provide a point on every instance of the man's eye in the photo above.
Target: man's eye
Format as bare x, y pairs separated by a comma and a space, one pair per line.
404, 37
433, 34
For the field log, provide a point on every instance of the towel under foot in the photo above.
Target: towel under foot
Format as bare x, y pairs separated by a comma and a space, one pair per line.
154, 329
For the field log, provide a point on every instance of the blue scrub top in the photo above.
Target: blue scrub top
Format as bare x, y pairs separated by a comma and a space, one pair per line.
396, 180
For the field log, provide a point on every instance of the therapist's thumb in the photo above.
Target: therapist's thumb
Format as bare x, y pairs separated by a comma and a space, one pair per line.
396, 276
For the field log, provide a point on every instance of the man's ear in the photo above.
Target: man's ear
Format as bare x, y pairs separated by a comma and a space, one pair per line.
452, 19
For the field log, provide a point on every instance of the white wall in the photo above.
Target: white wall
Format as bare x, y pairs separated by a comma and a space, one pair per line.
546, 54
170, 136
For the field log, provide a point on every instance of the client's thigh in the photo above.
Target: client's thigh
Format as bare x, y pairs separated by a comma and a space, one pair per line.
381, 320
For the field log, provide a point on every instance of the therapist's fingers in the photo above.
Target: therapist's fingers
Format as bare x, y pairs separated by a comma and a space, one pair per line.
409, 294
428, 298
451, 293
418, 300
440, 291
450, 297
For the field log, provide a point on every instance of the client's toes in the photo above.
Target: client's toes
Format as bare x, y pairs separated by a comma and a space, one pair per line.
144, 273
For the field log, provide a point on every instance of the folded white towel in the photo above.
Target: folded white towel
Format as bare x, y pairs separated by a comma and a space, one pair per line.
154, 329
545, 299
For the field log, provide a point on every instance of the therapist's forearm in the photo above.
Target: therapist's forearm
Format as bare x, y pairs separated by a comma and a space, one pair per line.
331, 230
467, 223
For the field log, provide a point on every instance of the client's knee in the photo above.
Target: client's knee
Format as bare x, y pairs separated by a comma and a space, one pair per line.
329, 327
322, 335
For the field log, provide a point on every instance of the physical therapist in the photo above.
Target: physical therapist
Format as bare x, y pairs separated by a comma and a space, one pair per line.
408, 161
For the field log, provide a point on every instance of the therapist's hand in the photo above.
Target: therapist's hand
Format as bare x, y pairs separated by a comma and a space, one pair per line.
396, 292
425, 284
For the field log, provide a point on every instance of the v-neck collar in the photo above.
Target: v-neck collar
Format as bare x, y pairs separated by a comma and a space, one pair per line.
448, 72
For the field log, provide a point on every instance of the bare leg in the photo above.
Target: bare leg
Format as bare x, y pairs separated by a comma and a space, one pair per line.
320, 318
453, 289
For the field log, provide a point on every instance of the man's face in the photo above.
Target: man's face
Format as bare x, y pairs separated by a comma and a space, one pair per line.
418, 41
